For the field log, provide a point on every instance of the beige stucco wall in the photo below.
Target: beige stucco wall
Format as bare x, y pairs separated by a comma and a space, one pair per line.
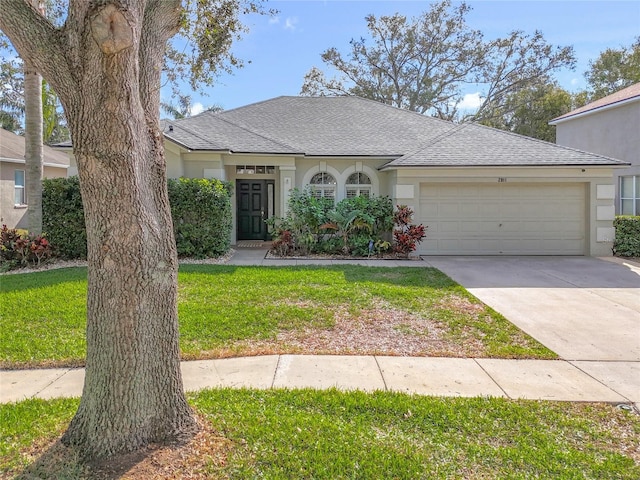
614, 132
291, 171
11, 215
598, 183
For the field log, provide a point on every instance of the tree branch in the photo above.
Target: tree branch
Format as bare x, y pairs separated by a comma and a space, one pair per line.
37, 40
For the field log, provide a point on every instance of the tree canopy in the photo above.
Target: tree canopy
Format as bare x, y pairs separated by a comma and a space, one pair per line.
613, 70
423, 64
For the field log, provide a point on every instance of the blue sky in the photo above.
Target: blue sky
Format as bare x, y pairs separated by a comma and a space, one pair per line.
283, 49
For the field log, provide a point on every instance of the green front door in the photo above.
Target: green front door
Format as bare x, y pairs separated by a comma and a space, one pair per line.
251, 198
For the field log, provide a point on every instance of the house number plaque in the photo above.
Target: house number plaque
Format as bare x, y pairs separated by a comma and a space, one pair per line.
502, 179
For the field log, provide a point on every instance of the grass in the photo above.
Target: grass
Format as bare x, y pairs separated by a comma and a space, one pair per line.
280, 434
225, 310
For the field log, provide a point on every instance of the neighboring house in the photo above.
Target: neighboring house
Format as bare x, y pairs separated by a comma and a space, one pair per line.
13, 197
609, 126
477, 189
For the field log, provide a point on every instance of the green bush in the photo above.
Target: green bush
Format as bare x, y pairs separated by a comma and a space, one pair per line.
314, 225
627, 241
63, 217
201, 211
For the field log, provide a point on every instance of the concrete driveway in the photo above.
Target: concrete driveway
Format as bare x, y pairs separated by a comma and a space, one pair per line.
584, 309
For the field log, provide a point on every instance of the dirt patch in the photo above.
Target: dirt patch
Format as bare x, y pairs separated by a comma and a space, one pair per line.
192, 459
378, 330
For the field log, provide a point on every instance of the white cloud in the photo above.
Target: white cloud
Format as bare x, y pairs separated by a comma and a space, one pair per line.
471, 101
291, 23
574, 82
274, 20
197, 108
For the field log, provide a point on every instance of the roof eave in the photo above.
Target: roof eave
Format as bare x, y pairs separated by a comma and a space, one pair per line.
591, 111
563, 165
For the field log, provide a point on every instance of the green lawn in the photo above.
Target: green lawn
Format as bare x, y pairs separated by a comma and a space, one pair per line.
335, 435
229, 310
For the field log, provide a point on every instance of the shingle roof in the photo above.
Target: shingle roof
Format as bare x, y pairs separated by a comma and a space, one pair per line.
351, 126
626, 94
12, 147
471, 144
336, 126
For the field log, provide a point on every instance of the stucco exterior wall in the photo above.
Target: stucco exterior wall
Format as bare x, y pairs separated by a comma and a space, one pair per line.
11, 215
613, 132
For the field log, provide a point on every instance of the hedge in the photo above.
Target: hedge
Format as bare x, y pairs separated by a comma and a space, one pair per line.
63, 217
201, 211
627, 241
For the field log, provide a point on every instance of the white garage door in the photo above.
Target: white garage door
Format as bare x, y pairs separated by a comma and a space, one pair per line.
503, 219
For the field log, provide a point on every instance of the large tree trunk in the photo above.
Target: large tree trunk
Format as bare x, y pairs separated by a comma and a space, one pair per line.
133, 389
33, 146
105, 65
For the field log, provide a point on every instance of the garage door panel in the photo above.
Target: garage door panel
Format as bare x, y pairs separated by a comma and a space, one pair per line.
492, 219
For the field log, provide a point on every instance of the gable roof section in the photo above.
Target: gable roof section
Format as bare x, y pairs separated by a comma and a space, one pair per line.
210, 131
626, 95
352, 126
12, 149
314, 126
471, 144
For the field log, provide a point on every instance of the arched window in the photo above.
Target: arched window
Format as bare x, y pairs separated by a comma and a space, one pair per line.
358, 184
323, 185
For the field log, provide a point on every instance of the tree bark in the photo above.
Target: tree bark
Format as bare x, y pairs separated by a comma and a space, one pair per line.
105, 65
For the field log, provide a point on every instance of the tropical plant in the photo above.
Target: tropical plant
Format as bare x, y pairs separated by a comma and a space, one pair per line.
406, 236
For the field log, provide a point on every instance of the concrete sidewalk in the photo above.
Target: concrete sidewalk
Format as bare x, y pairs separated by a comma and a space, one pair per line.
458, 377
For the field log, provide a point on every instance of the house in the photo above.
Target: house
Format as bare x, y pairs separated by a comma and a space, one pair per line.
13, 199
480, 191
609, 126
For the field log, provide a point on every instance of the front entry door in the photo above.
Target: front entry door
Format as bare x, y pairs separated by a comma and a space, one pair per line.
252, 209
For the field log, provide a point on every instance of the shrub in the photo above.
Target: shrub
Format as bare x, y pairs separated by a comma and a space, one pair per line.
406, 236
63, 217
201, 211
315, 225
627, 240
18, 249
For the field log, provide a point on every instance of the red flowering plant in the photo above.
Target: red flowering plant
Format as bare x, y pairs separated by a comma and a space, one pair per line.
18, 249
406, 236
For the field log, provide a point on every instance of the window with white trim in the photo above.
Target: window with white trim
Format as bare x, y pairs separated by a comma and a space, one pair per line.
323, 185
19, 195
358, 184
630, 195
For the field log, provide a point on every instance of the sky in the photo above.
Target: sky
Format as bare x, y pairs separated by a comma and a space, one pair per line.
278, 51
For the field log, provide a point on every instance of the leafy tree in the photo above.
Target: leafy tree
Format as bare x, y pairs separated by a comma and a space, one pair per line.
11, 95
517, 63
527, 112
614, 70
422, 64
12, 104
418, 64
105, 62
